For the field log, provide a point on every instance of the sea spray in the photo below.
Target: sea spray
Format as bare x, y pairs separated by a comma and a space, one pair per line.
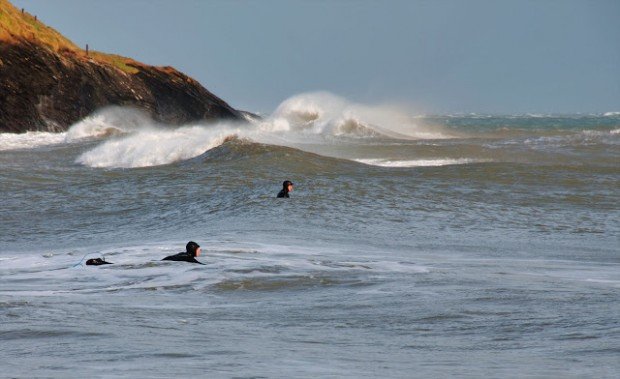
329, 125
153, 146
308, 118
109, 121
328, 114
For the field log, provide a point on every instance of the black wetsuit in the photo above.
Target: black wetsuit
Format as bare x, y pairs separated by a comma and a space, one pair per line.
283, 193
184, 256
97, 262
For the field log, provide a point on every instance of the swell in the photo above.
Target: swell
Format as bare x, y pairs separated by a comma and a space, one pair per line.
324, 124
350, 136
243, 152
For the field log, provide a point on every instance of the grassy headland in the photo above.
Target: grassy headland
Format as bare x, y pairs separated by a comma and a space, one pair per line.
18, 27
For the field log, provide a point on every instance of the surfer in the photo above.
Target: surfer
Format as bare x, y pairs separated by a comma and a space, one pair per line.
97, 262
192, 250
287, 187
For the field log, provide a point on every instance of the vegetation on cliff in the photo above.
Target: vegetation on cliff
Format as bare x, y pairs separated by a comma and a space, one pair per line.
48, 83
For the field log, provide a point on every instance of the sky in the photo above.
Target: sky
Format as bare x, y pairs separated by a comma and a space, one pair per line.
442, 56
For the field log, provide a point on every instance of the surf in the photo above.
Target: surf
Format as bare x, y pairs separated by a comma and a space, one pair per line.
381, 135
131, 140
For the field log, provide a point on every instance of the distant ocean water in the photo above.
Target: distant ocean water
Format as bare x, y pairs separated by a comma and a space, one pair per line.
427, 246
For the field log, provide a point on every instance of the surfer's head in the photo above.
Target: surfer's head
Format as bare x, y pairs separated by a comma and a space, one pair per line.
287, 186
193, 248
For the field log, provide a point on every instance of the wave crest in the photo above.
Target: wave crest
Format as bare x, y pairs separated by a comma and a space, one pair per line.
136, 141
326, 115
155, 147
108, 122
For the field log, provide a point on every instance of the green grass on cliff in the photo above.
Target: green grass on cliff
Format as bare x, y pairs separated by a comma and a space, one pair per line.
122, 63
16, 26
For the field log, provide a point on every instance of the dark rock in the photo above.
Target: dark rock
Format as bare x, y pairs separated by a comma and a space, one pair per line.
46, 90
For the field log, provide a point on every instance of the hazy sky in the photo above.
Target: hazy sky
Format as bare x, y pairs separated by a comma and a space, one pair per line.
443, 56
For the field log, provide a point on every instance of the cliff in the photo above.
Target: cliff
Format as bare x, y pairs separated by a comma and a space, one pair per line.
48, 83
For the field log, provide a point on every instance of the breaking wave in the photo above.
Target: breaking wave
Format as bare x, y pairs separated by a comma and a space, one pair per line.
322, 113
136, 141
108, 122
153, 147
328, 125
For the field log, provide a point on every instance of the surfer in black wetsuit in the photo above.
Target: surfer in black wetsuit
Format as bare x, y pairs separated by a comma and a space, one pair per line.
192, 250
97, 262
287, 187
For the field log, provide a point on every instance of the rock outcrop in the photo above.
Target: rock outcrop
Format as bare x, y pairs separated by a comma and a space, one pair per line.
47, 83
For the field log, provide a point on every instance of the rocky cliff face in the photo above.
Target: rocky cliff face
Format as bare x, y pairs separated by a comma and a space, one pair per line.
49, 86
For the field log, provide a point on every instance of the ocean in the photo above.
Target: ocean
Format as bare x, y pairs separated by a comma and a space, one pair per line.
411, 246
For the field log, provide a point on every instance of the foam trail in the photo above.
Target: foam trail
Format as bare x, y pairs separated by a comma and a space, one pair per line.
418, 162
29, 140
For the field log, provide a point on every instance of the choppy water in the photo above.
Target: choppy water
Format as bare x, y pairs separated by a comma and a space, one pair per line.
430, 246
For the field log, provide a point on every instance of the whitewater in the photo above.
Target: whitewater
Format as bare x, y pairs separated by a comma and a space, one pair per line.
412, 245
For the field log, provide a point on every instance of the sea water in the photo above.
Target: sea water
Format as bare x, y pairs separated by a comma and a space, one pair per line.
412, 246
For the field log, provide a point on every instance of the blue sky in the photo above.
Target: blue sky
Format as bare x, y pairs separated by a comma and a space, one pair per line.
443, 56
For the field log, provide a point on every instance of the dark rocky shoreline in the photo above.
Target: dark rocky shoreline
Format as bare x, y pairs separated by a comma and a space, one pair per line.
44, 90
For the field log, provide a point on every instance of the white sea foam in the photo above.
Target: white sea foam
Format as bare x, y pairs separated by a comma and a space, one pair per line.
323, 113
155, 146
316, 117
29, 140
134, 140
418, 162
109, 121
611, 114
106, 122
131, 139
